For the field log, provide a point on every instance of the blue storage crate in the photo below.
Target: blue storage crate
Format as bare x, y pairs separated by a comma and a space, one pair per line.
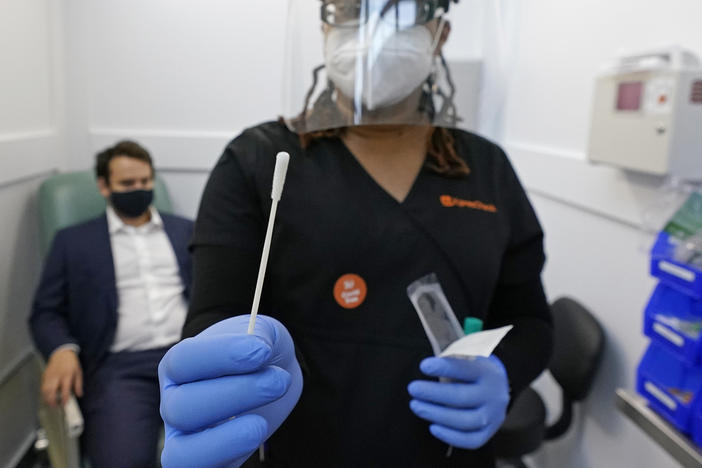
681, 276
674, 320
697, 426
671, 386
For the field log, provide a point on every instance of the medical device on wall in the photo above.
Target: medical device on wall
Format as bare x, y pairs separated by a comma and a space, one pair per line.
647, 114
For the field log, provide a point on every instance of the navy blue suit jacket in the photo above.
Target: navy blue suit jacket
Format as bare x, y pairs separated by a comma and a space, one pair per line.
76, 301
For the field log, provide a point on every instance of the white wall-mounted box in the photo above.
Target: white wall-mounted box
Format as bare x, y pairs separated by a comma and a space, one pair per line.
647, 114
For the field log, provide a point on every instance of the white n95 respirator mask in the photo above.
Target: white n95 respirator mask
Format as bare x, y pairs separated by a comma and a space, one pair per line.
381, 67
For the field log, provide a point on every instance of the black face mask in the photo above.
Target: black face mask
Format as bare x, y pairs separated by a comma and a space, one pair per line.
132, 204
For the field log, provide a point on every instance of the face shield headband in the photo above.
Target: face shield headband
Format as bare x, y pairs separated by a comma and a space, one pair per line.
400, 13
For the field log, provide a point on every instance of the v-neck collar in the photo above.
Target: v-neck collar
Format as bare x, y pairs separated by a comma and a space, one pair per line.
347, 153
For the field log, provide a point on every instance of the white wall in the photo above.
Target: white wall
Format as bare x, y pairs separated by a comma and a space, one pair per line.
31, 147
562, 45
593, 216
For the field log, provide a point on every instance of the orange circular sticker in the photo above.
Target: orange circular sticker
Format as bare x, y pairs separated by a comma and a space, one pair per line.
350, 291
447, 201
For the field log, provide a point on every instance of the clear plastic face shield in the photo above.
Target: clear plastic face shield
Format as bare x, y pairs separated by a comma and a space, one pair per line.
367, 62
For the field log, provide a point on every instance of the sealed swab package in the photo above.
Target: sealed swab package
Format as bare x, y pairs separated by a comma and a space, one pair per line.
437, 317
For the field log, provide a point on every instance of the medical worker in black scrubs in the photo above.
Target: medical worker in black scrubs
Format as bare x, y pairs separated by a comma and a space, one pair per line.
381, 191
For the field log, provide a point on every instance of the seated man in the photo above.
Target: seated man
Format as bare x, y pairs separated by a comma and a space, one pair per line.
111, 300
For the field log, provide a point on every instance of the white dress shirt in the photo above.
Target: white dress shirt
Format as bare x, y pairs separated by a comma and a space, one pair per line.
151, 306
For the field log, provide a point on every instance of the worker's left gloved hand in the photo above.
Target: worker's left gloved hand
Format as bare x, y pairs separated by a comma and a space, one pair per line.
468, 410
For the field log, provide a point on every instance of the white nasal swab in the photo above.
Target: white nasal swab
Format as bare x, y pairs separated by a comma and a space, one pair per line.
281, 169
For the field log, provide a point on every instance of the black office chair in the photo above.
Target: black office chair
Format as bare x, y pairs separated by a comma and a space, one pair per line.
578, 348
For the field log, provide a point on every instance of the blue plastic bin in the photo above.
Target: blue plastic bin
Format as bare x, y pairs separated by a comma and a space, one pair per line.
697, 426
674, 320
681, 276
671, 386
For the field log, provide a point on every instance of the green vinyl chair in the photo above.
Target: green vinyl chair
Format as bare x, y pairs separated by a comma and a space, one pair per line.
70, 198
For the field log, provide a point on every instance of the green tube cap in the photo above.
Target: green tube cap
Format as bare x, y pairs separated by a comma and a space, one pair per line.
472, 325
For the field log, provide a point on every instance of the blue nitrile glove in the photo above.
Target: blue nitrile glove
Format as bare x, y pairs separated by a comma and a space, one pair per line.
223, 392
469, 409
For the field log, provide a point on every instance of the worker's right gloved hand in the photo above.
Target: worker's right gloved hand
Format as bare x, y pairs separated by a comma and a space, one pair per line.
223, 392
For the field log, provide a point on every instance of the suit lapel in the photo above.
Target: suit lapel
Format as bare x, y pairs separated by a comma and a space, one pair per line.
177, 243
105, 263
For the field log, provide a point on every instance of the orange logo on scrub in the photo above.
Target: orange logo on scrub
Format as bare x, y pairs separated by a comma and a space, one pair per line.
449, 202
350, 291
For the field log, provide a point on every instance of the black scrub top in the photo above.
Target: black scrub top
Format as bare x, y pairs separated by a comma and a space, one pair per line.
343, 253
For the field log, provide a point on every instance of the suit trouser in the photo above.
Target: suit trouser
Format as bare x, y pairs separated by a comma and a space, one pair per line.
121, 411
